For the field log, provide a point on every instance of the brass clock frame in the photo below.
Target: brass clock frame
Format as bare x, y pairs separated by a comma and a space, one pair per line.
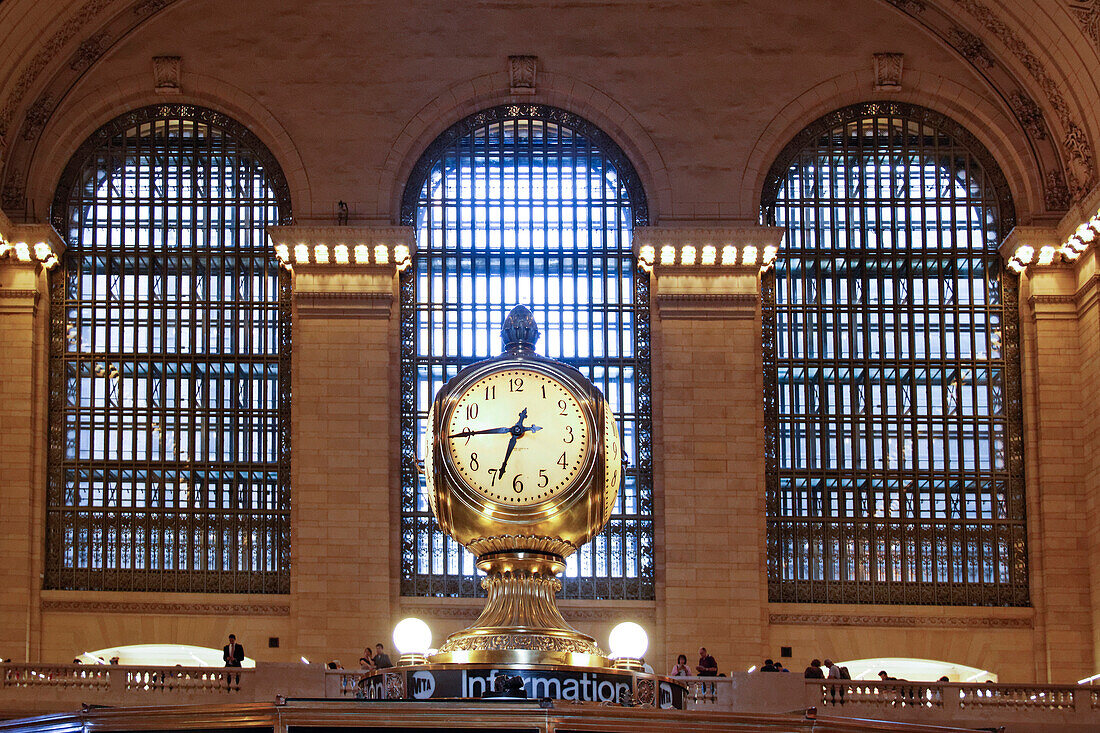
521, 548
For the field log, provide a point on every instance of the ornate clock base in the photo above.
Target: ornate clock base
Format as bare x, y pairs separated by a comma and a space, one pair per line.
521, 623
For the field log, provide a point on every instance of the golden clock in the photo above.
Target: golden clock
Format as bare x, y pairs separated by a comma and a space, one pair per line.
523, 466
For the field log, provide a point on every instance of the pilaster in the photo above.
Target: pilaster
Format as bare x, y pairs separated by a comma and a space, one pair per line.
344, 433
709, 426
27, 253
1059, 404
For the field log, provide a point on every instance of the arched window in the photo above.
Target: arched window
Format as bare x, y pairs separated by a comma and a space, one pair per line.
527, 204
892, 392
169, 362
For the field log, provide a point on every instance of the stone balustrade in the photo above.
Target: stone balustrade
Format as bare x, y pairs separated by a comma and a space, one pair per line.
32, 689
1020, 707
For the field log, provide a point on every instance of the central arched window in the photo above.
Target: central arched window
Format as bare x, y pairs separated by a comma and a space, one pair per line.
894, 467
169, 362
527, 204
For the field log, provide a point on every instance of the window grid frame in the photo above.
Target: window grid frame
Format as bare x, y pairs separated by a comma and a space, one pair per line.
940, 536
214, 564
417, 584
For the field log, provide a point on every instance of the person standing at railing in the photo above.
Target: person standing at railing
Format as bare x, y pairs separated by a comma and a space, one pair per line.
707, 666
233, 654
381, 659
680, 669
814, 671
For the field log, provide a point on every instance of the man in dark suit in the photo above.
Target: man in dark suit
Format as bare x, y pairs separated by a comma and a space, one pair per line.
233, 654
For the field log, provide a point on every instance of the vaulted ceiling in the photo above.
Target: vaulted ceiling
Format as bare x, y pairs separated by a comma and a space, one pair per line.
1040, 59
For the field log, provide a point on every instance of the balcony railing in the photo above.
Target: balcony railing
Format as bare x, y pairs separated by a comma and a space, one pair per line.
29, 689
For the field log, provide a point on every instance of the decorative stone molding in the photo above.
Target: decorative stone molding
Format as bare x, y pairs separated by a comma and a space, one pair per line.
37, 116
341, 271
888, 67
522, 71
29, 244
173, 609
962, 622
909, 6
1087, 15
89, 50
343, 304
971, 47
704, 273
1055, 191
1076, 148
726, 306
167, 74
1029, 114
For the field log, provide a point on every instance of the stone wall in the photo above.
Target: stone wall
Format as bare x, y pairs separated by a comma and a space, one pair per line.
702, 98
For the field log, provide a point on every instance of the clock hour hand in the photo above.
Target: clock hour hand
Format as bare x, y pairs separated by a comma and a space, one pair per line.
517, 430
511, 445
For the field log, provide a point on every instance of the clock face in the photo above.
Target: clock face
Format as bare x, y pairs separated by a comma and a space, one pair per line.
517, 436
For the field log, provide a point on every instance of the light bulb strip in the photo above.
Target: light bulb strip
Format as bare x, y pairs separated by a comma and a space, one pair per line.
40, 252
1084, 238
706, 257
343, 254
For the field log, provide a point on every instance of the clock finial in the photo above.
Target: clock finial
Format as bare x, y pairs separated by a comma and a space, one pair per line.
520, 330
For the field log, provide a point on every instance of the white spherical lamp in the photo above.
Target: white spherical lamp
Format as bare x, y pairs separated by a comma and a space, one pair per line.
628, 642
412, 638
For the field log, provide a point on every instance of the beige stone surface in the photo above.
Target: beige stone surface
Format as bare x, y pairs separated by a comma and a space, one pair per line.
701, 97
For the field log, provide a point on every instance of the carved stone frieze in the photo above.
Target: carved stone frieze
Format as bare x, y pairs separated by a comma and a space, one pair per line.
15, 194
47, 52
909, 6
192, 609
522, 71
1029, 114
37, 116
90, 50
799, 619
148, 7
167, 73
1080, 160
888, 68
971, 47
1055, 192
1087, 15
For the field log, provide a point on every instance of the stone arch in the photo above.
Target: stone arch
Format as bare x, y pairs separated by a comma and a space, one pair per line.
81, 116
554, 90
992, 126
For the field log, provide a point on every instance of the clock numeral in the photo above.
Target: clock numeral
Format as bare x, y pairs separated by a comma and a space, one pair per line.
517, 485
544, 391
493, 475
561, 406
561, 461
471, 411
473, 461
543, 478
491, 392
569, 434
515, 384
